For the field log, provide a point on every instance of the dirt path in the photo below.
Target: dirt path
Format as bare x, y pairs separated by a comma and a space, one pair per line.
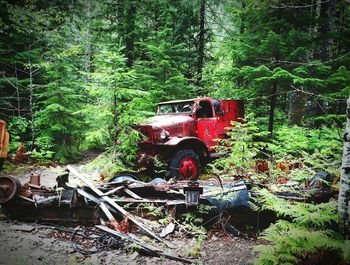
33, 244
36, 245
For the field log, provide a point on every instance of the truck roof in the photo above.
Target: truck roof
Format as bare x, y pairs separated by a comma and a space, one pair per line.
184, 100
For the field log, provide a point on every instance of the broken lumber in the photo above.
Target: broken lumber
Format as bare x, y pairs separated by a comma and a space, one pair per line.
222, 192
113, 191
144, 246
115, 205
132, 194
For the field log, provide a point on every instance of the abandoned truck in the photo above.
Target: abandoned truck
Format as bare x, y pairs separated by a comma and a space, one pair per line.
184, 133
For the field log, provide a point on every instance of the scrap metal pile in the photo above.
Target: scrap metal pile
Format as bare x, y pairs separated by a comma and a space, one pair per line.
107, 205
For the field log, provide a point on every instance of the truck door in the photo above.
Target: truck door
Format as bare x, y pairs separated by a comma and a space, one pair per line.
232, 110
206, 124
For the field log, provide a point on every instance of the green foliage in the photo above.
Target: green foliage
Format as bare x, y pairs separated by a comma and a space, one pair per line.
108, 163
17, 127
243, 146
320, 149
151, 210
193, 224
59, 122
307, 233
305, 214
116, 97
42, 150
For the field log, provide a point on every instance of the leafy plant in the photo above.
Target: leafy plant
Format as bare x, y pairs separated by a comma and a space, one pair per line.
151, 210
17, 127
305, 234
193, 224
242, 147
320, 148
106, 164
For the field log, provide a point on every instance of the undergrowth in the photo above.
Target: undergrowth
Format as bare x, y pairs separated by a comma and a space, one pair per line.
316, 149
193, 224
306, 235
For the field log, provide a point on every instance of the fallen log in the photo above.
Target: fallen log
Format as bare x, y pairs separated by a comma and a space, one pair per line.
144, 246
116, 206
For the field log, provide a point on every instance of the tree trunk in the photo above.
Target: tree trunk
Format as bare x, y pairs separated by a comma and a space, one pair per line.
201, 43
327, 21
115, 119
344, 191
272, 107
130, 33
297, 107
17, 93
341, 26
31, 102
90, 51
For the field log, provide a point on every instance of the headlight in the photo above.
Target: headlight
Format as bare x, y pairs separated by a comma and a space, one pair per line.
164, 134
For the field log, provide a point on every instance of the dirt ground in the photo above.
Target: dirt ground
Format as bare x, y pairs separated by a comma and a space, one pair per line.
32, 243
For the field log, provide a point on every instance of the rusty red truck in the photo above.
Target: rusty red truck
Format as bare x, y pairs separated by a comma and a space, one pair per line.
184, 133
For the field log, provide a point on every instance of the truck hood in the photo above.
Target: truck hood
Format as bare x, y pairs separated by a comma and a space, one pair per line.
163, 121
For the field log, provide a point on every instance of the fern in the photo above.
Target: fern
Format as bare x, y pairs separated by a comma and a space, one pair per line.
316, 216
306, 234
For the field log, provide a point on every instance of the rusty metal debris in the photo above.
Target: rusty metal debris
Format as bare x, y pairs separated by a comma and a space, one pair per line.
106, 199
192, 192
107, 204
9, 188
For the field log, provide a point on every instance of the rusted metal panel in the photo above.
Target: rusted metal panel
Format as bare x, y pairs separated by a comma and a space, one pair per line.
4, 139
35, 180
207, 132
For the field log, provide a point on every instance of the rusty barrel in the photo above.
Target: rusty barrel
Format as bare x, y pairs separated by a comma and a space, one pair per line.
9, 188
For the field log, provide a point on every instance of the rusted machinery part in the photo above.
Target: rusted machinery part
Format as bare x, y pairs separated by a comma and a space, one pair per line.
9, 188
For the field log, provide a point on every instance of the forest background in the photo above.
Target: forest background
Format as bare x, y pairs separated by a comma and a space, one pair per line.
76, 75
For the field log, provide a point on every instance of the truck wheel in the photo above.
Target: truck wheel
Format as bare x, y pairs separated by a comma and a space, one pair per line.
184, 165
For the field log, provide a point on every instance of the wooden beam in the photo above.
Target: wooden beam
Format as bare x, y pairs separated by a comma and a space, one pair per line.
116, 206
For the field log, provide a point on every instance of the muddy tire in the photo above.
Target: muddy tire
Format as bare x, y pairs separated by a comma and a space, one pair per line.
185, 165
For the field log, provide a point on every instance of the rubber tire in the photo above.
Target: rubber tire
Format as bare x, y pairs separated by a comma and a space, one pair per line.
174, 165
2, 160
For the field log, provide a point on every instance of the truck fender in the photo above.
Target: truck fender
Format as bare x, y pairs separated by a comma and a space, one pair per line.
190, 142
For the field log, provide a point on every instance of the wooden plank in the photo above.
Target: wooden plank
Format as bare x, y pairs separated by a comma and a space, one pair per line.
109, 215
94, 199
113, 191
85, 180
167, 202
214, 193
116, 206
132, 194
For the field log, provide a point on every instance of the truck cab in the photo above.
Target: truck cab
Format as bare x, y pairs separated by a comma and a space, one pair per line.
184, 133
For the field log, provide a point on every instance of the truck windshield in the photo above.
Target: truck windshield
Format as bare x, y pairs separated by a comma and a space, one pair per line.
181, 107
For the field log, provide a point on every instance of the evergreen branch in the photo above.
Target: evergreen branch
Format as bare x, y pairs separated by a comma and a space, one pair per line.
283, 6
316, 95
305, 64
14, 67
